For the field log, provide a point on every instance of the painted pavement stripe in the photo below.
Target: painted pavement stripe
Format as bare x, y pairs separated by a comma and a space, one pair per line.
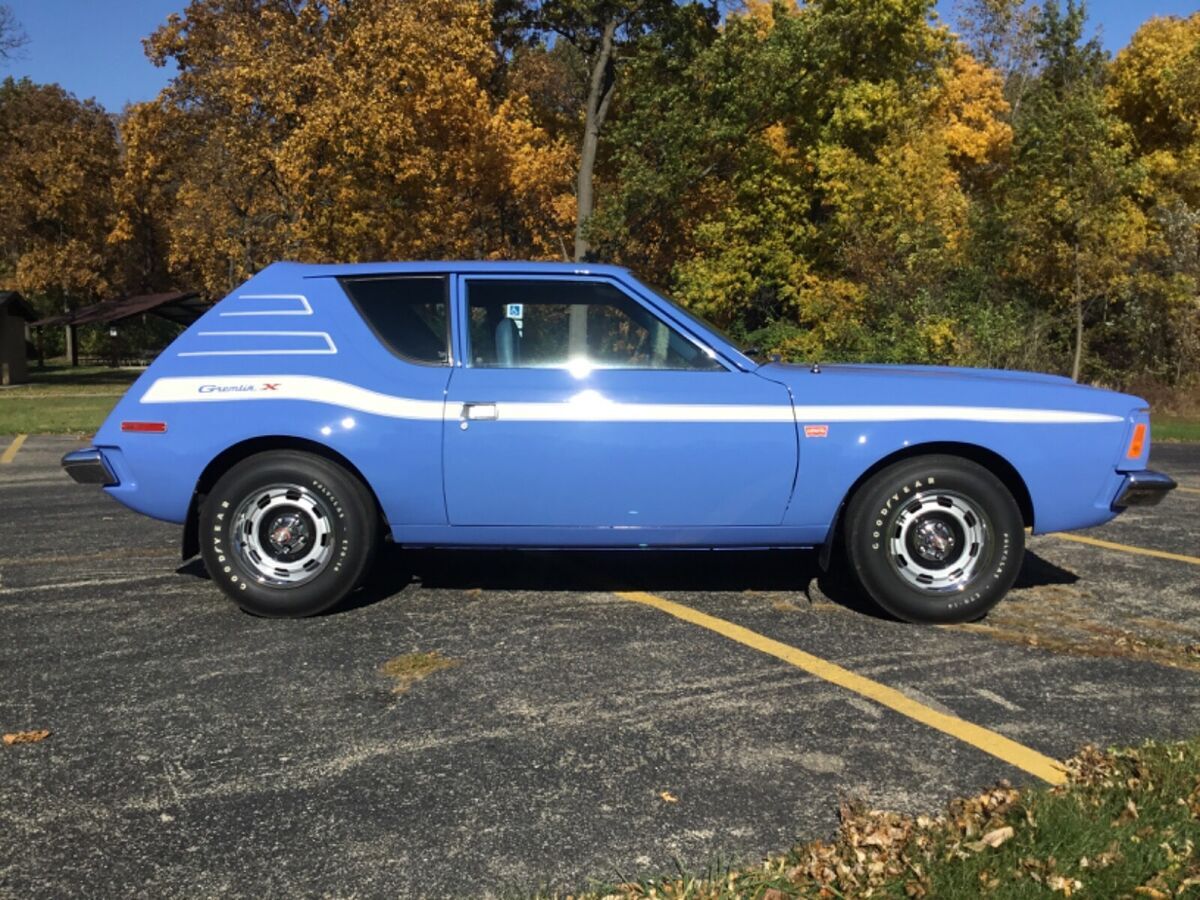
1128, 548
10, 454
990, 742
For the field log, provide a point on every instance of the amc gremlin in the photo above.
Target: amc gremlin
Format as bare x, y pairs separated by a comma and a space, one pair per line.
320, 410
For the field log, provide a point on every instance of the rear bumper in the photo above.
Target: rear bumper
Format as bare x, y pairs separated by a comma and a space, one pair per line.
1145, 488
88, 467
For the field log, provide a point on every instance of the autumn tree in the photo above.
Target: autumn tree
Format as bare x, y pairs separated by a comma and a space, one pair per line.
787, 183
1154, 88
58, 161
338, 130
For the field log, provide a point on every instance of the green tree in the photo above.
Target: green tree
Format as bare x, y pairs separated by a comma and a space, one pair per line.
1072, 227
604, 34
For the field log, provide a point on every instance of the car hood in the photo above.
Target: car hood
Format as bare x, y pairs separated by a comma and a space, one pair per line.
948, 385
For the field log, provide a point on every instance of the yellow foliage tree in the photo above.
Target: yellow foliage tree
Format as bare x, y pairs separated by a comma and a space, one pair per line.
58, 160
337, 130
1154, 87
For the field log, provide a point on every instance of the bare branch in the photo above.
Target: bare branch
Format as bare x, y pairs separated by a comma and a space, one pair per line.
12, 36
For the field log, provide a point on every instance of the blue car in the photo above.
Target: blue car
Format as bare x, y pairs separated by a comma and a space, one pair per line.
320, 410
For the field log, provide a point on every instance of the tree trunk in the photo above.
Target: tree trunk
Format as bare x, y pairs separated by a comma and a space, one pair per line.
600, 91
1077, 365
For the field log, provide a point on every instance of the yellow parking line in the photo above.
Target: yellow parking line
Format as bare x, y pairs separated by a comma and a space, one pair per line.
10, 454
1128, 548
1188, 490
997, 745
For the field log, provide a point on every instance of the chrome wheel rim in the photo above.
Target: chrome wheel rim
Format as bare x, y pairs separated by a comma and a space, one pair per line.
283, 535
938, 542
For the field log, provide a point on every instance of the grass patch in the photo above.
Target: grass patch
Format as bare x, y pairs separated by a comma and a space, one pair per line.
410, 668
1125, 825
63, 400
56, 378
1175, 428
54, 415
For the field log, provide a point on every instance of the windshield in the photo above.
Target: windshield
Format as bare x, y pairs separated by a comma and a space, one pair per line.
741, 346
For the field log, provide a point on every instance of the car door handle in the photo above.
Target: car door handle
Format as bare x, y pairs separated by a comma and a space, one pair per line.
476, 412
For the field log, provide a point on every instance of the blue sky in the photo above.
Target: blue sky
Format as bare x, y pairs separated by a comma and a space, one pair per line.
94, 48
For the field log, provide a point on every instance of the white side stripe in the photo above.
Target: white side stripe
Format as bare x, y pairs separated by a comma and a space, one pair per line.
290, 387
948, 413
587, 406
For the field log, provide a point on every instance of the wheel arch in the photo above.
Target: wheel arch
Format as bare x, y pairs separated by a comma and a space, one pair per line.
988, 459
231, 456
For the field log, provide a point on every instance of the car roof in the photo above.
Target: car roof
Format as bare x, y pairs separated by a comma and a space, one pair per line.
471, 266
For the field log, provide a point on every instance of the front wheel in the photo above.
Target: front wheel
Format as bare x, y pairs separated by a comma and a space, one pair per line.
935, 539
287, 534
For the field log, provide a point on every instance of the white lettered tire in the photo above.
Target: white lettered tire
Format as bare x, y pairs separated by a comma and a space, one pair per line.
935, 539
288, 534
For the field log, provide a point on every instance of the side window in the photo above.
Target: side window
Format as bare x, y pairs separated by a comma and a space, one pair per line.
407, 314
561, 324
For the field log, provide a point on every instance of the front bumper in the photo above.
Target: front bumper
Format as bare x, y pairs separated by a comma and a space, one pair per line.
88, 467
1145, 488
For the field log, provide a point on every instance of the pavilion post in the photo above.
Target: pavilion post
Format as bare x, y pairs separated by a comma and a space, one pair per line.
72, 345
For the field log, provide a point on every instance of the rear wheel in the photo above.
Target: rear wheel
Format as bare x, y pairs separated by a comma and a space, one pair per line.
288, 534
935, 539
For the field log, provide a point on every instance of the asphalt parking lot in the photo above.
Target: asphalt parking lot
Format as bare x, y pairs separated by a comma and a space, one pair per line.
579, 734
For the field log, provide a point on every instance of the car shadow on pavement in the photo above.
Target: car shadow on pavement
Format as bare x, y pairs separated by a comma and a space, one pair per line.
1039, 572
660, 571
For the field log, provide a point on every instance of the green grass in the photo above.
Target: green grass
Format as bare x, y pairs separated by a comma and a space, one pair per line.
1125, 825
1174, 428
62, 400
54, 415
57, 378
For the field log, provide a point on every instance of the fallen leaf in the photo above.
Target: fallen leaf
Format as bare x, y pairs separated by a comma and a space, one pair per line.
997, 837
1067, 886
992, 839
26, 737
668, 797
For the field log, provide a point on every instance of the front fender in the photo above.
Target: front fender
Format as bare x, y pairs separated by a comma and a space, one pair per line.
1068, 471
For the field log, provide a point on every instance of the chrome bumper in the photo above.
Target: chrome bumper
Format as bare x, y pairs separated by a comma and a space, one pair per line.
1143, 489
88, 467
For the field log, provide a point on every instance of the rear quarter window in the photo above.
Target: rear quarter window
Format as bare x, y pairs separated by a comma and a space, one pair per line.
407, 313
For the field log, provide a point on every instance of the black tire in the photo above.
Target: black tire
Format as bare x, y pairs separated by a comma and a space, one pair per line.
934, 539
287, 534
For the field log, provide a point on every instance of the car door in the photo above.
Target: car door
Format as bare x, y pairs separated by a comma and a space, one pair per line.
577, 404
